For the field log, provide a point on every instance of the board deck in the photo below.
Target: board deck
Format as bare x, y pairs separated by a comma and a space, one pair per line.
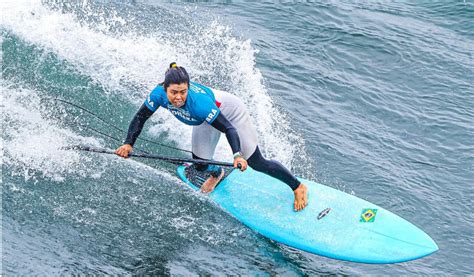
334, 224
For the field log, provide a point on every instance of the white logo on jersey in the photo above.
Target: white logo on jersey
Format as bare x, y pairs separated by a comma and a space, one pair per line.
150, 102
197, 89
180, 113
211, 115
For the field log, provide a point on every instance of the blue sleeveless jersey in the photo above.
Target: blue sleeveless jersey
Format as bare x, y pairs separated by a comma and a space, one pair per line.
200, 104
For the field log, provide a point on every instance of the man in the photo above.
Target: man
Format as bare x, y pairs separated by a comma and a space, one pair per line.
211, 112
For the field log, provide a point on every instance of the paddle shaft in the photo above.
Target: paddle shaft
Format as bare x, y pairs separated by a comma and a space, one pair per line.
148, 156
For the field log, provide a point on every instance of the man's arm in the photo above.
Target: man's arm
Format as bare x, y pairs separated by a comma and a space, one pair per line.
222, 124
137, 124
134, 130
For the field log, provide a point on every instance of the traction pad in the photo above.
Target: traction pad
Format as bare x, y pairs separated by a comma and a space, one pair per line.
199, 177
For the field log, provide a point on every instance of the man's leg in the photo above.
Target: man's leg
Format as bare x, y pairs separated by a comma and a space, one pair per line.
204, 142
280, 172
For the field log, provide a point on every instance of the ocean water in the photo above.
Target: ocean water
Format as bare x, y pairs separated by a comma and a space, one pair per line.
375, 99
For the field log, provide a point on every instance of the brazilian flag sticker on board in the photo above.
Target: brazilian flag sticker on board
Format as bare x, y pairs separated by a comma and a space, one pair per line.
368, 215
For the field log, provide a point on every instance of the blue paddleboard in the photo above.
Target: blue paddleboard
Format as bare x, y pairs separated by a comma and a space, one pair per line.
334, 224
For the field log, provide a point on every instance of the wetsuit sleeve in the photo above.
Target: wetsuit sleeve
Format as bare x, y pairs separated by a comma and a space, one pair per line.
137, 123
222, 124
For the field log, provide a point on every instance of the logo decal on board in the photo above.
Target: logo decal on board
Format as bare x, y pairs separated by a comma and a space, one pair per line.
323, 213
368, 215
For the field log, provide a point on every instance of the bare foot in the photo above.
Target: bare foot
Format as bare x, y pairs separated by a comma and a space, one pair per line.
211, 183
301, 197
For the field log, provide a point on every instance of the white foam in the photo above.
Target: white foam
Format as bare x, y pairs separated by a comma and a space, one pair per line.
115, 60
33, 142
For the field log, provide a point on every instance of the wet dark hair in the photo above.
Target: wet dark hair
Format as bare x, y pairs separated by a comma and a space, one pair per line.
175, 75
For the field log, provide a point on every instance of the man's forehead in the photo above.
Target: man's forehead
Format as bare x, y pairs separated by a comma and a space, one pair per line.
179, 86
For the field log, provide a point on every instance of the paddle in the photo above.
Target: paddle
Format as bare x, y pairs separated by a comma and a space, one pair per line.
147, 156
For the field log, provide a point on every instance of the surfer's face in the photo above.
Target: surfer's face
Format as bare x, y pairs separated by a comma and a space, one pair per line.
177, 94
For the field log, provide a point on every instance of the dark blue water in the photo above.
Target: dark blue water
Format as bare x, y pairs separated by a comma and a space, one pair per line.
375, 99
